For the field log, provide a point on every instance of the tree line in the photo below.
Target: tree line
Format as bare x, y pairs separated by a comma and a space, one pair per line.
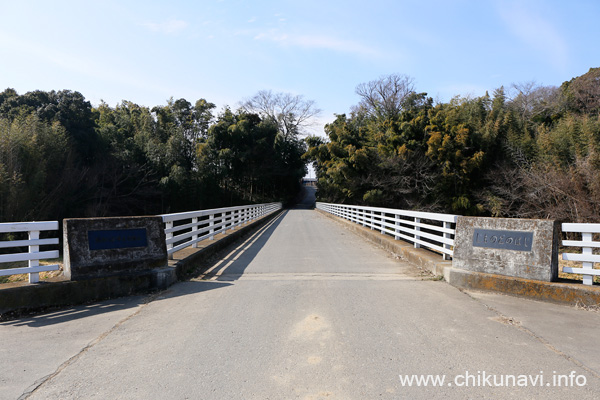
526, 151
60, 157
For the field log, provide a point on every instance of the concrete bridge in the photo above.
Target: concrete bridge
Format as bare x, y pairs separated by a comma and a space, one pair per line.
305, 309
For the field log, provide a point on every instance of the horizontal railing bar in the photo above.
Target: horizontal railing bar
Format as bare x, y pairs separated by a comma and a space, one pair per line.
204, 229
581, 257
420, 233
436, 238
189, 243
426, 244
407, 213
413, 223
201, 213
193, 214
33, 242
6, 227
387, 222
41, 255
182, 246
29, 270
204, 222
583, 271
186, 235
580, 243
220, 220
582, 228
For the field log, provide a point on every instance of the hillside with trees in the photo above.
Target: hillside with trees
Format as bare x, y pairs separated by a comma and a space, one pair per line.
60, 157
523, 151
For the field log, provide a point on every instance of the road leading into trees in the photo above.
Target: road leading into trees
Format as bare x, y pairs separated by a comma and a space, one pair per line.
304, 309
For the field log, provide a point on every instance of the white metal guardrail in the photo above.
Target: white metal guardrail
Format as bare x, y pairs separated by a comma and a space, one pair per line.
34, 255
587, 244
188, 228
432, 230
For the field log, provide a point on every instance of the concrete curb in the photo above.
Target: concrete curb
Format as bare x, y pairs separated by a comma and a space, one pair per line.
558, 292
59, 292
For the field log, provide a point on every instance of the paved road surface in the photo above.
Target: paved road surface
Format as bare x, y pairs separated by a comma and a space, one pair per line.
303, 310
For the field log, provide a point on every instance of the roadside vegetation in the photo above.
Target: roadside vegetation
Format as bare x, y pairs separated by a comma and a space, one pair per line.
60, 157
524, 151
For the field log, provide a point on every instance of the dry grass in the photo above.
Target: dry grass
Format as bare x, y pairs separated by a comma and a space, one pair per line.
573, 264
25, 277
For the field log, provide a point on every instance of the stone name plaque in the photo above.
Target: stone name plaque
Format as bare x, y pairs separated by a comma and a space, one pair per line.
507, 240
117, 239
523, 248
98, 247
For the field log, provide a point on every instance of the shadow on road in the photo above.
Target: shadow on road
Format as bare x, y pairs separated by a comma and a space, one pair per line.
228, 268
108, 306
74, 313
307, 198
234, 264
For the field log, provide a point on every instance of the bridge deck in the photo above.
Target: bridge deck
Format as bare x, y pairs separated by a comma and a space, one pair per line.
303, 309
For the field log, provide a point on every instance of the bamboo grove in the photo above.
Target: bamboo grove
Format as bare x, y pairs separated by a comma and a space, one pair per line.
61, 157
525, 150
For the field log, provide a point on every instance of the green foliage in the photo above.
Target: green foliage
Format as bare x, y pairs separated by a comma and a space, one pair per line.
59, 157
246, 155
32, 155
532, 151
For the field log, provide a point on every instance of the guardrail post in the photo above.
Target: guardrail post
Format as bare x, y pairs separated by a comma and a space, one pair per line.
447, 225
169, 225
372, 220
195, 228
233, 219
417, 228
396, 230
211, 224
587, 279
381, 224
35, 276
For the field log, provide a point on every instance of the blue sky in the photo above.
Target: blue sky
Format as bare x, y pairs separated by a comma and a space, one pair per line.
226, 51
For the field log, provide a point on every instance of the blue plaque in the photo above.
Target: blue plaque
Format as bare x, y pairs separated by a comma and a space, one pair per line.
117, 239
505, 240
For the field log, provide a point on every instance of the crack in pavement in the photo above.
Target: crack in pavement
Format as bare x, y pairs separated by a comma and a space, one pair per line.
42, 381
510, 321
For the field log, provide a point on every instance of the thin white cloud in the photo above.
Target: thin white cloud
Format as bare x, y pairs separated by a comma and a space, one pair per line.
534, 30
169, 27
78, 64
318, 42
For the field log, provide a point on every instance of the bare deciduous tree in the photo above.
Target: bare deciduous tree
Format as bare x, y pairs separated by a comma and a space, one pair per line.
385, 96
291, 113
586, 91
530, 99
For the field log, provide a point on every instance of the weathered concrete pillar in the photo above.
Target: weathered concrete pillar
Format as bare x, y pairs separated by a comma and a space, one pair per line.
98, 247
524, 248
